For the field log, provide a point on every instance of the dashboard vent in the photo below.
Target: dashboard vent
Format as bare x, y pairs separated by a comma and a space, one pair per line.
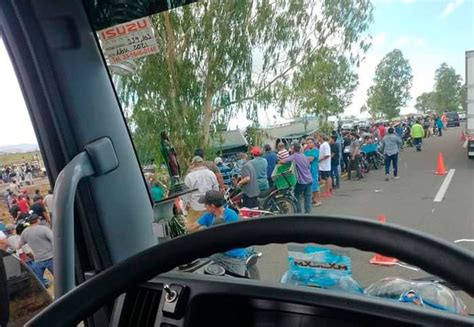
140, 307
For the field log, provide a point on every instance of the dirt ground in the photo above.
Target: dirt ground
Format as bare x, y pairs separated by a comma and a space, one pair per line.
41, 184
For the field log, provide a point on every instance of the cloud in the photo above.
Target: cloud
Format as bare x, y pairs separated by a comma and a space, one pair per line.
390, 2
379, 39
17, 127
404, 41
451, 7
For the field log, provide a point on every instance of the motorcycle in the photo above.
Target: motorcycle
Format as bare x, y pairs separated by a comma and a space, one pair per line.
271, 201
364, 163
371, 157
223, 265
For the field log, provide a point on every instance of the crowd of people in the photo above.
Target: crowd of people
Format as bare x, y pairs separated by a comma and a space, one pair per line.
22, 174
318, 159
29, 235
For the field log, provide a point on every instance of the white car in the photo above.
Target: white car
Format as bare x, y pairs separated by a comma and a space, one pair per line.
347, 124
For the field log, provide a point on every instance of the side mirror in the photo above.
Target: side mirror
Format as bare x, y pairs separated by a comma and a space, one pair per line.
22, 295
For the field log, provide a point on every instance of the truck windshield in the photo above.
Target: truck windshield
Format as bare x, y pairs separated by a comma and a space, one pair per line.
227, 96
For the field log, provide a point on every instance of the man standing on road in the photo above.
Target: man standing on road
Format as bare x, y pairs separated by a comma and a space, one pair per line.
426, 127
202, 179
417, 133
345, 150
249, 184
304, 184
325, 163
444, 119
260, 165
272, 159
382, 131
390, 146
439, 126
355, 156
335, 151
40, 240
313, 157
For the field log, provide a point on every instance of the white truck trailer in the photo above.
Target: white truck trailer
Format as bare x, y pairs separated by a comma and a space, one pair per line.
470, 103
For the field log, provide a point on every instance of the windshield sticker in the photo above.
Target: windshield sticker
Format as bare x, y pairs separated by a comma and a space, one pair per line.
131, 40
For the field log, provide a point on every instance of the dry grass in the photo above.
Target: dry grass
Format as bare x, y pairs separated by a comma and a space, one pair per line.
17, 158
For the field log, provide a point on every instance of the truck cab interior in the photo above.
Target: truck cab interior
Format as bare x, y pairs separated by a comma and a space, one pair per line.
111, 272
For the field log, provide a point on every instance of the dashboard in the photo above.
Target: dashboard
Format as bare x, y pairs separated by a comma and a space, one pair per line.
183, 299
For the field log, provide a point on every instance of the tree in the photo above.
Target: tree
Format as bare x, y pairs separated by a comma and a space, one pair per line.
448, 89
391, 89
325, 84
426, 102
219, 57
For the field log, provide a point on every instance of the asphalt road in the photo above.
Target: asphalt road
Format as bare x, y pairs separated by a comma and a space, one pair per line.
408, 201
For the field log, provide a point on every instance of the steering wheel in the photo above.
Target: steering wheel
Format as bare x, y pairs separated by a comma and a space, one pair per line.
441, 258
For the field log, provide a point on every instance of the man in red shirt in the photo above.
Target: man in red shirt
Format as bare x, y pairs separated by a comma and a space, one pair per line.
23, 204
382, 131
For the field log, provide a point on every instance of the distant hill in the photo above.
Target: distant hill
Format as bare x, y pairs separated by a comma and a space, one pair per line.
18, 148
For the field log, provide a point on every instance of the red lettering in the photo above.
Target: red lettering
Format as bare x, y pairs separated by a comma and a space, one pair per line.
120, 30
144, 24
124, 29
131, 27
108, 34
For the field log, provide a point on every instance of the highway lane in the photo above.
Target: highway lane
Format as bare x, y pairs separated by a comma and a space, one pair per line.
408, 201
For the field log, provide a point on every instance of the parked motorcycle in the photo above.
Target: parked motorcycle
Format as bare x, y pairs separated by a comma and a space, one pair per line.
273, 200
364, 163
375, 159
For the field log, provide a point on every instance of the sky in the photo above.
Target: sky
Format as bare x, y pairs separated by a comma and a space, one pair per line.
16, 125
428, 32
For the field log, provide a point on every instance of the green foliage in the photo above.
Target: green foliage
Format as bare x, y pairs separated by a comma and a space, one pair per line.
448, 89
326, 128
426, 102
254, 135
391, 89
325, 84
217, 58
449, 94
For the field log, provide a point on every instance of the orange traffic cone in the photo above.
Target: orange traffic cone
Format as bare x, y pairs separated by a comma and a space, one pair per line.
463, 136
379, 259
440, 169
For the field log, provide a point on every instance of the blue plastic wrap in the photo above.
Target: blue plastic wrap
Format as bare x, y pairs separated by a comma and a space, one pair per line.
322, 268
429, 294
